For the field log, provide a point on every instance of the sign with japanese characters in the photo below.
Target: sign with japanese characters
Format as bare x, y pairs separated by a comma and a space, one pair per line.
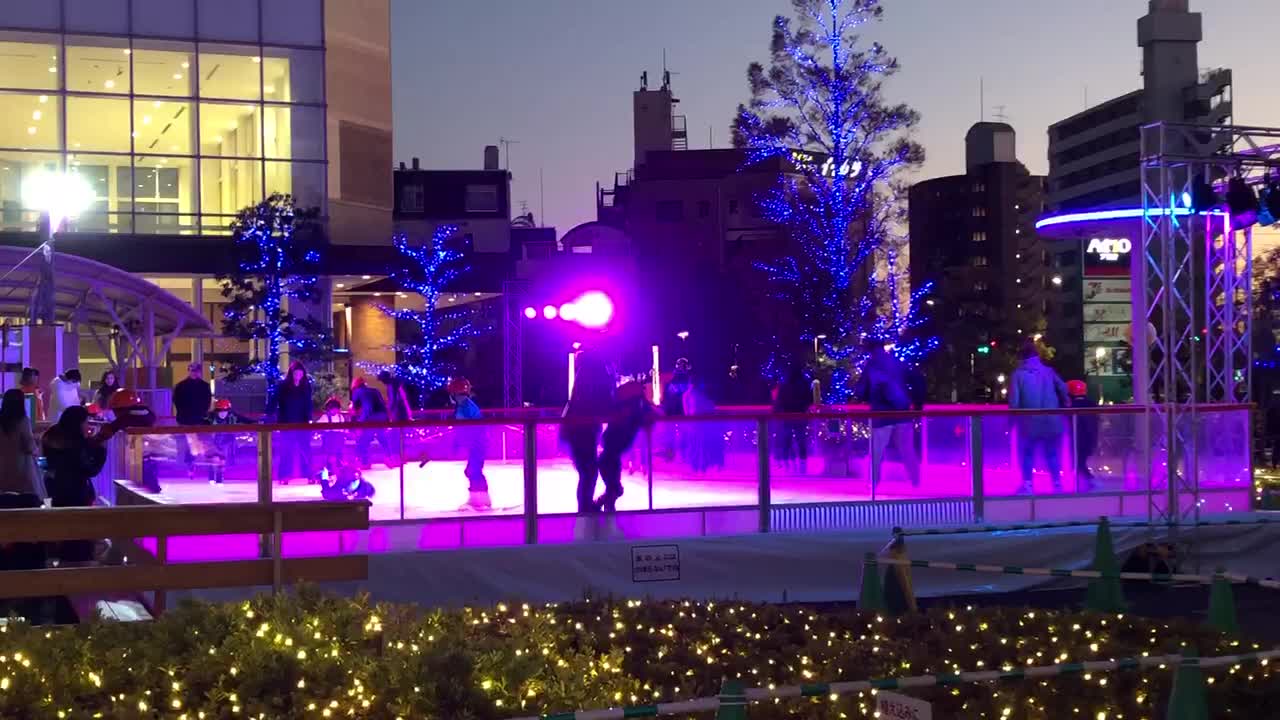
1108, 249
901, 707
1106, 289
655, 563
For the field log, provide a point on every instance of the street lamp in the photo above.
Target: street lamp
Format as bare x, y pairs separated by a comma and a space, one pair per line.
683, 335
1000, 378
58, 196
816, 339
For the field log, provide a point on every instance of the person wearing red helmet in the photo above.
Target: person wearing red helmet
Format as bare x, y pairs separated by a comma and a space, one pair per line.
222, 446
1086, 433
475, 440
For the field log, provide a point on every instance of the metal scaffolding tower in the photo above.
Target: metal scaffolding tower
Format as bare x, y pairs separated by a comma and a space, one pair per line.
1194, 293
513, 293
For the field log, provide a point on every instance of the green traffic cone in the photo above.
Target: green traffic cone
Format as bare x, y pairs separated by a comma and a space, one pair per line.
1187, 700
1104, 593
733, 701
1222, 606
871, 596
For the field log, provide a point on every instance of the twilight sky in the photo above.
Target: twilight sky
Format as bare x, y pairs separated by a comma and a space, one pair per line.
557, 75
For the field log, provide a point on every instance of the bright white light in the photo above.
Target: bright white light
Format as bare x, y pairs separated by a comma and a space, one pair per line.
1057, 280
366, 277
44, 98
1000, 378
146, 119
683, 334
62, 195
1100, 353
36, 115
177, 76
549, 312
530, 313
568, 312
31, 130
109, 84
593, 310
185, 64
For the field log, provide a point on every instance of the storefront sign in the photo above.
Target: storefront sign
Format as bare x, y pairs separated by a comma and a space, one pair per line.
1106, 332
1107, 313
901, 707
806, 160
655, 563
1106, 290
1109, 249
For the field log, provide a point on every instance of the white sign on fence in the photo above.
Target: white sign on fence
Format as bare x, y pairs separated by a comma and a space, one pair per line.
655, 563
900, 707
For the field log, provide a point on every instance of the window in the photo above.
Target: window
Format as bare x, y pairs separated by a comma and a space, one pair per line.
704, 208
980, 236
26, 61
412, 198
481, 199
98, 65
32, 121
980, 287
163, 68
231, 130
230, 72
980, 261
97, 123
979, 187
163, 127
979, 211
670, 211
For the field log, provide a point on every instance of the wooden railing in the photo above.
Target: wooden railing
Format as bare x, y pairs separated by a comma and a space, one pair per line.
154, 573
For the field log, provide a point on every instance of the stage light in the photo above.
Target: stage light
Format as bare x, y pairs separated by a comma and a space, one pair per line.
1186, 199
1269, 212
593, 310
530, 313
549, 312
567, 312
1242, 201
1203, 197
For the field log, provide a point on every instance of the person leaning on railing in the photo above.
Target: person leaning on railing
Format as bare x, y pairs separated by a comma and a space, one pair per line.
75, 454
19, 468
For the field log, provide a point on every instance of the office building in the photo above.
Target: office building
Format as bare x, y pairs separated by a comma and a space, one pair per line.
995, 280
1093, 155
179, 113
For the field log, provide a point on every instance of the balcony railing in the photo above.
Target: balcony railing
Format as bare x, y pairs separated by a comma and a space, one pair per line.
731, 472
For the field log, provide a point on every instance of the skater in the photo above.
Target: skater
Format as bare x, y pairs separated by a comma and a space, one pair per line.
346, 483
398, 408
292, 404
75, 456
191, 399
631, 412
367, 405
333, 443
590, 402
888, 385
64, 392
29, 384
1086, 434
18, 451
1035, 386
793, 396
705, 440
474, 439
222, 446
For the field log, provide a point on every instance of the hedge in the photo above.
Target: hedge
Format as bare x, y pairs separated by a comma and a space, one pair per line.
313, 655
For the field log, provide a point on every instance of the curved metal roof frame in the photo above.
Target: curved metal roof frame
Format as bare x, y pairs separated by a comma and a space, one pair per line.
92, 296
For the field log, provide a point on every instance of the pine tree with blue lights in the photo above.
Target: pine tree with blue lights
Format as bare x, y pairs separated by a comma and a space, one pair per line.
822, 94
277, 248
436, 332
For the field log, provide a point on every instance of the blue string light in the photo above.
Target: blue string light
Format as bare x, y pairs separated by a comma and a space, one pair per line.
822, 94
437, 332
277, 265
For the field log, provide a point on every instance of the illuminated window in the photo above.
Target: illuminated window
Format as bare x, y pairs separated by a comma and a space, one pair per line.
28, 61
231, 130
293, 132
162, 199
980, 236
162, 127
981, 261
305, 181
230, 72
98, 124
227, 185
979, 211
31, 121
98, 65
291, 75
163, 68
109, 176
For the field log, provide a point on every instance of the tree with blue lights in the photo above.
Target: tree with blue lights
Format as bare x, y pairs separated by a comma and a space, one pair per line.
436, 332
277, 251
822, 94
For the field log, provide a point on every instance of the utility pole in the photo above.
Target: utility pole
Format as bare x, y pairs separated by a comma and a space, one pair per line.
506, 144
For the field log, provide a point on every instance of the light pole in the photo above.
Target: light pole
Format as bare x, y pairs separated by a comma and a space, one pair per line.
58, 196
816, 340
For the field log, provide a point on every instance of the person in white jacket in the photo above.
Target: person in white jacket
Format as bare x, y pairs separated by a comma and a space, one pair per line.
64, 392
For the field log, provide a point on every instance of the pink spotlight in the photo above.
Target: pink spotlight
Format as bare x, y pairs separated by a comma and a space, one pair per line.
549, 312
568, 312
593, 310
530, 313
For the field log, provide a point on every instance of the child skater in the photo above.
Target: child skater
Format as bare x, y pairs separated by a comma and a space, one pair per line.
332, 442
222, 447
474, 440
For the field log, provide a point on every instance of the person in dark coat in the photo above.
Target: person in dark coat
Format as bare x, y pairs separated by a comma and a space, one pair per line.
369, 406
292, 404
793, 396
1086, 428
889, 385
191, 400
590, 402
75, 457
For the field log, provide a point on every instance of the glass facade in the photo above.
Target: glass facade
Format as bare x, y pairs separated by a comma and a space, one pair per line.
178, 113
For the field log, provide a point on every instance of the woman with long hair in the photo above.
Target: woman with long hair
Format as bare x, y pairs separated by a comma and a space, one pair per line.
107, 387
18, 469
292, 404
75, 455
